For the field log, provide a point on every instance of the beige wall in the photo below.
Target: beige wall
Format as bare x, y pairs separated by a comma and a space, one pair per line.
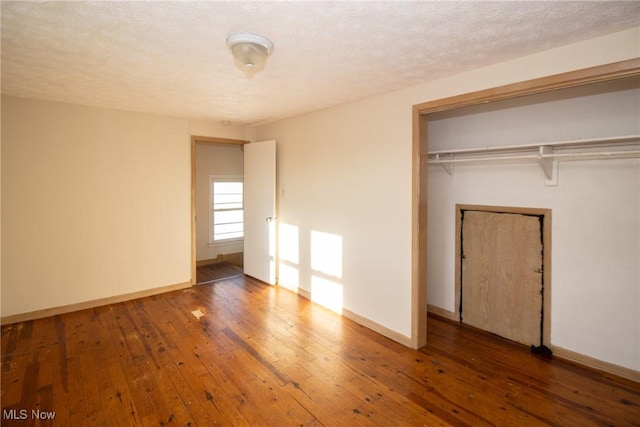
227, 160
95, 202
347, 171
215, 129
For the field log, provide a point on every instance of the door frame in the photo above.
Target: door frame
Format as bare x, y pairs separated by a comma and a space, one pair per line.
205, 140
420, 119
546, 256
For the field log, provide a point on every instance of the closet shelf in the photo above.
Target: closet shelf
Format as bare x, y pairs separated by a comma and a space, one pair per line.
547, 154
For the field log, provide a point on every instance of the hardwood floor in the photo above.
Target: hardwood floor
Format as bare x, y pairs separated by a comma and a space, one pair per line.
219, 271
259, 355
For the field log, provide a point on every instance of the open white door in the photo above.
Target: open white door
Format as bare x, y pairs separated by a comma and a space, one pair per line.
260, 211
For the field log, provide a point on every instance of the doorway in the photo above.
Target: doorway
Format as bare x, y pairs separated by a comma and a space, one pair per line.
501, 285
216, 164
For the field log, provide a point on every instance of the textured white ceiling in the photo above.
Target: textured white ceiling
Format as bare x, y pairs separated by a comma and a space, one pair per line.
171, 57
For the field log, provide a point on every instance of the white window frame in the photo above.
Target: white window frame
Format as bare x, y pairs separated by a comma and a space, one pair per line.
221, 178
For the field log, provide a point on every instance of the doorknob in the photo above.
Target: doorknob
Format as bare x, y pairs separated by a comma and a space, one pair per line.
269, 219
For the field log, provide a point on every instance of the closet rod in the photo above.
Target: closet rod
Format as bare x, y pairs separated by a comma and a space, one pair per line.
604, 142
601, 155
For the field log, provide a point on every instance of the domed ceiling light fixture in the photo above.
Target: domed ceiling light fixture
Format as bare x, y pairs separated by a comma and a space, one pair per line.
250, 51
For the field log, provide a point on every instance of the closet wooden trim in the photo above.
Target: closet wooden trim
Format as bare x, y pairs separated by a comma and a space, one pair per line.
601, 73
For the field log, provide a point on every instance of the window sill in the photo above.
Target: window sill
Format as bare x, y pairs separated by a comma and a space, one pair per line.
224, 242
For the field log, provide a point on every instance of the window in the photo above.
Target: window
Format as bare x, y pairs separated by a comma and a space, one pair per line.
227, 210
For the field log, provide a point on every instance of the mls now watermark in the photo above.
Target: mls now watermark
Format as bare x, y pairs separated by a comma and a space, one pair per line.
24, 414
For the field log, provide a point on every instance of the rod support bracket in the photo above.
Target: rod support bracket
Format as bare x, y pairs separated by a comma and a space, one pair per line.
448, 167
549, 165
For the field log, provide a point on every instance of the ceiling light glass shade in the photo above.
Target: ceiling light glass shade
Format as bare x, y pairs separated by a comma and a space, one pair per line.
250, 51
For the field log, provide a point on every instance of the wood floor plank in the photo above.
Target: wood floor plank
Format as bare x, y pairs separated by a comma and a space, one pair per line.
197, 388
237, 352
322, 401
216, 272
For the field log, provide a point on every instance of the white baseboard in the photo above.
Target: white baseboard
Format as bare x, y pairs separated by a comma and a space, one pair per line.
590, 362
443, 313
376, 327
54, 311
368, 323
